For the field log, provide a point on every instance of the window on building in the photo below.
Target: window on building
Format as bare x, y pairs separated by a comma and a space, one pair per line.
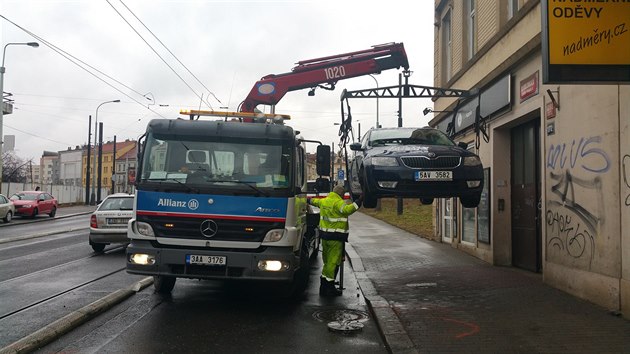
447, 48
471, 28
512, 8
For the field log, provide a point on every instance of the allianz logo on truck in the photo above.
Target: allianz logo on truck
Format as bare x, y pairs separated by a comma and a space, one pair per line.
192, 204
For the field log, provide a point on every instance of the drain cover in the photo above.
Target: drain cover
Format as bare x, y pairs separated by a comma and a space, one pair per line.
344, 315
345, 327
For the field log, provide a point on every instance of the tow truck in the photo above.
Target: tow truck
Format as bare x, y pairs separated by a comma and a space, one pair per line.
224, 197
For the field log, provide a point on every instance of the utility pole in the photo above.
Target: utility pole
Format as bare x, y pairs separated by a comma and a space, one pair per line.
100, 162
87, 164
114, 168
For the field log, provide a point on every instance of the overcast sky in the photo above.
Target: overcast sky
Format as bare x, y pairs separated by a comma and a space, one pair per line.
227, 45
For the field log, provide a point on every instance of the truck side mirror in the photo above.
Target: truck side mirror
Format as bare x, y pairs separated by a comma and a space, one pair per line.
463, 145
323, 160
322, 185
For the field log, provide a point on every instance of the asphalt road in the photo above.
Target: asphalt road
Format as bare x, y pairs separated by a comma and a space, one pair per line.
45, 278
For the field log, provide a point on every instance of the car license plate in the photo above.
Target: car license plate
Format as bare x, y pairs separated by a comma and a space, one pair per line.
433, 175
206, 260
117, 221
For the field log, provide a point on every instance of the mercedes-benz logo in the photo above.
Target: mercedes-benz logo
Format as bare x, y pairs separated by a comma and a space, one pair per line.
209, 228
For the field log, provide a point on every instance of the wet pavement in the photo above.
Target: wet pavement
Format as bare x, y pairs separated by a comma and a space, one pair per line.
430, 298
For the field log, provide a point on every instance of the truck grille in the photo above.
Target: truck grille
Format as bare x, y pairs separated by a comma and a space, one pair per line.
227, 230
440, 162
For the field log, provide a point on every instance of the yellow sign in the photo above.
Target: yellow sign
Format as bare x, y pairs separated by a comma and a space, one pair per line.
589, 32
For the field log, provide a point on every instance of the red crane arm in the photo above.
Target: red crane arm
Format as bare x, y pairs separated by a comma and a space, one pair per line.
326, 70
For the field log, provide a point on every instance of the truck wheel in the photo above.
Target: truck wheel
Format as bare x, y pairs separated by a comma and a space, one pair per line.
163, 284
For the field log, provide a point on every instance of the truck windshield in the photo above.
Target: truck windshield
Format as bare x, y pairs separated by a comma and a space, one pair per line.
199, 164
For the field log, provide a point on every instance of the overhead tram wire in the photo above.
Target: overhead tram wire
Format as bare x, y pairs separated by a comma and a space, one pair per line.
170, 52
156, 53
74, 60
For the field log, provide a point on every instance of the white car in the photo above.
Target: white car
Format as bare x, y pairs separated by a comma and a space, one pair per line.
108, 224
7, 209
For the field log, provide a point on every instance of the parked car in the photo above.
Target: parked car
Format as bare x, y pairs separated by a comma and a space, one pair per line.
108, 223
7, 209
415, 163
33, 203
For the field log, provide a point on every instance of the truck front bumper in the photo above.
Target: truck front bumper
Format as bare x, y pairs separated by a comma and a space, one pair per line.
239, 264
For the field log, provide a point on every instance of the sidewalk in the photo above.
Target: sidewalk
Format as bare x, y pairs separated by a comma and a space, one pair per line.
431, 298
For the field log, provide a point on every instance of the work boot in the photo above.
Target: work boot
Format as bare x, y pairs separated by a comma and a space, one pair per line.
327, 288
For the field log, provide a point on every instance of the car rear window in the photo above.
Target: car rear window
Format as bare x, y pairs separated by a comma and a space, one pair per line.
117, 204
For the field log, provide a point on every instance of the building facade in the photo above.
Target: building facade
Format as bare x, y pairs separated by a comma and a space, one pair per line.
49, 170
556, 157
125, 174
107, 162
70, 166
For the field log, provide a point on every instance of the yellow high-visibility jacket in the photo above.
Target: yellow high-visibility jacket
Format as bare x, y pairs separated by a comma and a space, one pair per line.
333, 214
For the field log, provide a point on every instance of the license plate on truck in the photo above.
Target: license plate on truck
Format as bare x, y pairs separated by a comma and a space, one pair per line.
206, 260
433, 175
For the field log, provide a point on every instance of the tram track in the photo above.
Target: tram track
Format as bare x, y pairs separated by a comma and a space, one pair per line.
59, 267
110, 250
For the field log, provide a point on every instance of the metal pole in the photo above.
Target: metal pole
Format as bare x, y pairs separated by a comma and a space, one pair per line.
399, 201
1, 117
114, 167
378, 125
87, 163
100, 161
2, 70
93, 197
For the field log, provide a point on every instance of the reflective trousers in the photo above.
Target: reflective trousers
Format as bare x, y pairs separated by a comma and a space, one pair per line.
332, 255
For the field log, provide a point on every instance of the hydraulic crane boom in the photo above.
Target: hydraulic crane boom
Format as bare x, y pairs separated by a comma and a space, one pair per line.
326, 70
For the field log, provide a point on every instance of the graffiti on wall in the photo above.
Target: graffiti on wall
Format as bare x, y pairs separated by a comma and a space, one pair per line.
575, 205
580, 153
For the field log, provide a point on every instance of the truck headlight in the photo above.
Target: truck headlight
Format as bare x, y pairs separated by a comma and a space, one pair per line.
273, 265
384, 161
274, 236
141, 259
144, 229
472, 161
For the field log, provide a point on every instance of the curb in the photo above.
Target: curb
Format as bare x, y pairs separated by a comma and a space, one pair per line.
65, 324
391, 329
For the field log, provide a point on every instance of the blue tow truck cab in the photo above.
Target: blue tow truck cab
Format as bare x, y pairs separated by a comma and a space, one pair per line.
222, 200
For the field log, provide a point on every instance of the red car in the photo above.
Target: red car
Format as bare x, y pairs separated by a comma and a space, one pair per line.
33, 203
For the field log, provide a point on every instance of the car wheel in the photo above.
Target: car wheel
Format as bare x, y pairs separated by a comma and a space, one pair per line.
471, 202
7, 218
163, 284
35, 212
426, 201
53, 212
369, 200
98, 247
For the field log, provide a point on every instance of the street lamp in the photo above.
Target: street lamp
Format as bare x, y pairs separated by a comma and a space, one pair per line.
30, 44
93, 196
377, 123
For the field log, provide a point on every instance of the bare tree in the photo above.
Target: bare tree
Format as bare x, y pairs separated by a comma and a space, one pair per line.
14, 168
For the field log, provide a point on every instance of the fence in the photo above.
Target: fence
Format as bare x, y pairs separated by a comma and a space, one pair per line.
64, 194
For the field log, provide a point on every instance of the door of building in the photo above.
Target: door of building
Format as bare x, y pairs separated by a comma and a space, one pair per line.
525, 162
447, 220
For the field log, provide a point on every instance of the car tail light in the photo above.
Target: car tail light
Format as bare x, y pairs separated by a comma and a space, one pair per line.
93, 223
